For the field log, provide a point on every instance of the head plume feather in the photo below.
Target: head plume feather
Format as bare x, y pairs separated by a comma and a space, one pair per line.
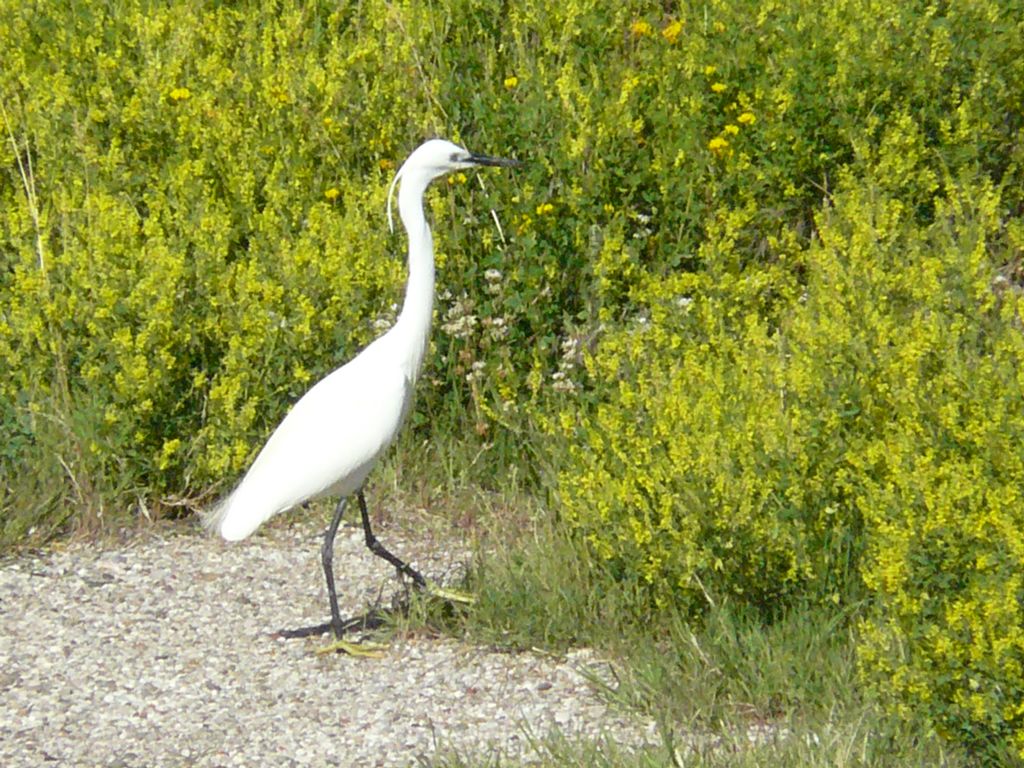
391, 191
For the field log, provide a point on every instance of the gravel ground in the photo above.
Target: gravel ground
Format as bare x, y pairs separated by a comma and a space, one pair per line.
157, 653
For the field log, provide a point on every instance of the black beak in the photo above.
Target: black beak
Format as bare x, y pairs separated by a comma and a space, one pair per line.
495, 161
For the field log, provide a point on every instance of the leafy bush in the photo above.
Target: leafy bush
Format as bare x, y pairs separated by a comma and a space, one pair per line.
761, 264
863, 431
194, 229
784, 410
939, 477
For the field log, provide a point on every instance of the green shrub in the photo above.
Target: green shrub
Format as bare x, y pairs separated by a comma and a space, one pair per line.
757, 223
863, 431
201, 147
181, 244
193, 229
854, 285
939, 481
693, 476
933, 463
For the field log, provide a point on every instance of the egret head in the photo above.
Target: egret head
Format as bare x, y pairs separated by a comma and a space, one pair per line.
436, 157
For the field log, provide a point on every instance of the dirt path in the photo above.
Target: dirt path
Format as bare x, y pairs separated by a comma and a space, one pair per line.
156, 653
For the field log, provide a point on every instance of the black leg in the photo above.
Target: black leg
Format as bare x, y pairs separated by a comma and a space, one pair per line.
378, 549
327, 558
374, 618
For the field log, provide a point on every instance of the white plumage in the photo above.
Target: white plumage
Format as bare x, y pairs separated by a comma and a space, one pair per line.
334, 435
326, 445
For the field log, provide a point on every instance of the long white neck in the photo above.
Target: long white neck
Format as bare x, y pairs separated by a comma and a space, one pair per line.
413, 323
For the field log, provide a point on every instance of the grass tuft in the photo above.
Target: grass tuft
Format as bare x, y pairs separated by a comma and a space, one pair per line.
727, 688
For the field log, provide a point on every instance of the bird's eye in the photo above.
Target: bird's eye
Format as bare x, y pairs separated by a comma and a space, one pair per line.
455, 157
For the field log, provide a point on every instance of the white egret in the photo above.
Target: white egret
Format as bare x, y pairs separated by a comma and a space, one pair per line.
333, 436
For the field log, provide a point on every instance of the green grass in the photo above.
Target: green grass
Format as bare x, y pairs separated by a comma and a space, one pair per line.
727, 688
722, 201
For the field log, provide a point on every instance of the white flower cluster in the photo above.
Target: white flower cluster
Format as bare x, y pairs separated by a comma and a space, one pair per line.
643, 231
493, 277
496, 327
384, 321
476, 371
560, 379
459, 320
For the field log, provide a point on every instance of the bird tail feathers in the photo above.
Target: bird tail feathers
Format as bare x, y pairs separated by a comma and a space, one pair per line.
233, 518
211, 519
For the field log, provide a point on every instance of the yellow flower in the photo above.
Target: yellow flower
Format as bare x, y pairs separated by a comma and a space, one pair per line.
640, 28
672, 31
511, 82
170, 448
747, 118
180, 94
332, 194
328, 122
544, 208
386, 164
709, 70
732, 130
718, 144
458, 178
718, 87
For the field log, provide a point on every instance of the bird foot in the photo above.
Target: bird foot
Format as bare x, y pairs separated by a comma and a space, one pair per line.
292, 634
372, 619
